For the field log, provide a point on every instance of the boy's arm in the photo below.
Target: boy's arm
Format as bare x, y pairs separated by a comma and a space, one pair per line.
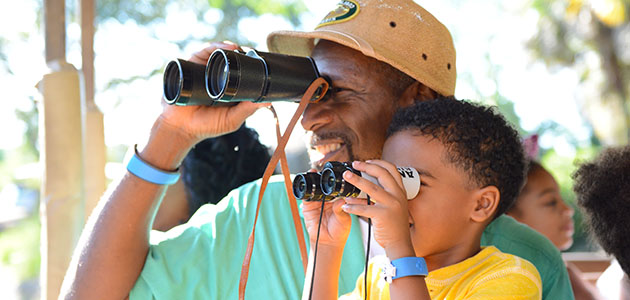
390, 214
410, 287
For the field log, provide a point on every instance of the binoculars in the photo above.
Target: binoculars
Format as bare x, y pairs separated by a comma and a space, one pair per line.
329, 183
233, 76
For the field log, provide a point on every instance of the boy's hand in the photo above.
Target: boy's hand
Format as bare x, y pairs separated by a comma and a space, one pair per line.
389, 213
201, 122
335, 222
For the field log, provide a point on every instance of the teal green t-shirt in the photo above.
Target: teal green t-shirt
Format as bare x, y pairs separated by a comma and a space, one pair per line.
518, 239
202, 259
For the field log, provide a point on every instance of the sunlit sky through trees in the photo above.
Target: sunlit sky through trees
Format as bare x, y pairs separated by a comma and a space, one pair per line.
489, 37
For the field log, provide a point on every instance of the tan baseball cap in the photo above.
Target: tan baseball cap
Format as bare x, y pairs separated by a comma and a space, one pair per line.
398, 32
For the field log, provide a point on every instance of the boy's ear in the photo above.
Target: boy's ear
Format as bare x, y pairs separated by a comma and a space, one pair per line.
416, 92
487, 201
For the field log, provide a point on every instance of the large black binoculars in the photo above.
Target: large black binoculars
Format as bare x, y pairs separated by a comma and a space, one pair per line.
329, 183
232, 76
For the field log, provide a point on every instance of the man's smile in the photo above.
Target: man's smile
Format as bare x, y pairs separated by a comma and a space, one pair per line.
324, 151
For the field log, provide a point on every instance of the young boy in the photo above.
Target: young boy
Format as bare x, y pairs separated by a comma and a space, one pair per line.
471, 166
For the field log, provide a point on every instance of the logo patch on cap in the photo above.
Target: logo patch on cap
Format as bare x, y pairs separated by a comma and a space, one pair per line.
345, 10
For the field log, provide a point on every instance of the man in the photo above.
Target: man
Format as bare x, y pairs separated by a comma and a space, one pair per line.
379, 55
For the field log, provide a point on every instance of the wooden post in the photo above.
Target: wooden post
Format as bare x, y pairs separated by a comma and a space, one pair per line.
61, 153
55, 30
93, 133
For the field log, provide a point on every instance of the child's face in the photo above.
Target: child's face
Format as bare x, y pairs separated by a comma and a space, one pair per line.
440, 214
541, 207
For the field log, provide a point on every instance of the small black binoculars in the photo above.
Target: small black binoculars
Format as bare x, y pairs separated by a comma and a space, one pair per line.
233, 76
329, 183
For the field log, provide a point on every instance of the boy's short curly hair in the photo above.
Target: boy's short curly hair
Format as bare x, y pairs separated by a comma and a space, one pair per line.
215, 166
603, 192
477, 139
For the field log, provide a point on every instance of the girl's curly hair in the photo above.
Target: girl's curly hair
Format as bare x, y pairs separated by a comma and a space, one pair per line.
218, 165
603, 192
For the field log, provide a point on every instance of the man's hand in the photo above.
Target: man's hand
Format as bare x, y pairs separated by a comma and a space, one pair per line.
335, 226
201, 122
335, 222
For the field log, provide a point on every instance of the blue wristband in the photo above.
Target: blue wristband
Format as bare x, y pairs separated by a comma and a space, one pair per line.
405, 266
147, 172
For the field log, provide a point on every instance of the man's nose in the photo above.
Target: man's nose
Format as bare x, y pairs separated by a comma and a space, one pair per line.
316, 116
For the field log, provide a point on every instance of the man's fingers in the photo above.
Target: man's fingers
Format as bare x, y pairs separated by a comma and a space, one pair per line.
241, 111
337, 208
230, 118
201, 56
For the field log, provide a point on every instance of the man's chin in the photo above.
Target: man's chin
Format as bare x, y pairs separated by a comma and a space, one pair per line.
318, 160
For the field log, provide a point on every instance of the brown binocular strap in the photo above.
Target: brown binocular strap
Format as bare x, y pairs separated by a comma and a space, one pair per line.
279, 155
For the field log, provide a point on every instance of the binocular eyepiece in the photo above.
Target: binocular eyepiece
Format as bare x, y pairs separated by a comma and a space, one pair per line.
232, 76
329, 183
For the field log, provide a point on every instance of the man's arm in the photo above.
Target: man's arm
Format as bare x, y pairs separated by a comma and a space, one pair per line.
333, 234
115, 241
326, 274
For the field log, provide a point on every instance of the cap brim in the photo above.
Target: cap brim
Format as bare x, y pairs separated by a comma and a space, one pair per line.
302, 43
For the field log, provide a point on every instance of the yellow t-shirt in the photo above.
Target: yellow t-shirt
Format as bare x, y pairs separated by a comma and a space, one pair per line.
490, 274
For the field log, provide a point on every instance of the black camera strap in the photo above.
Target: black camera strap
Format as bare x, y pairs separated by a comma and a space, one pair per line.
319, 227
367, 254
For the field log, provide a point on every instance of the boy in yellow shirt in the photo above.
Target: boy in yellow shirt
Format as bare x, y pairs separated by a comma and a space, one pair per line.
471, 167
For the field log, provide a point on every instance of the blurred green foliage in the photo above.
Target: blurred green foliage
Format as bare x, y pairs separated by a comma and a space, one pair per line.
147, 12
19, 248
590, 37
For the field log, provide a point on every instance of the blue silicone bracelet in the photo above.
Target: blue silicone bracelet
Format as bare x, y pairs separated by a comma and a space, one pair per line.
410, 266
147, 172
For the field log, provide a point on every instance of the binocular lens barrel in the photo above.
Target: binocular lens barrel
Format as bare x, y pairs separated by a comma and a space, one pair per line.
306, 186
184, 83
231, 76
218, 78
329, 184
333, 185
332, 181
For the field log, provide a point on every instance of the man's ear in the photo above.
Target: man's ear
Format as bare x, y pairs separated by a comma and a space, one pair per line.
487, 200
416, 92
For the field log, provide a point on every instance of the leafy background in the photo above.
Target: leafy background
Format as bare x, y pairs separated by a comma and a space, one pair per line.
557, 68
